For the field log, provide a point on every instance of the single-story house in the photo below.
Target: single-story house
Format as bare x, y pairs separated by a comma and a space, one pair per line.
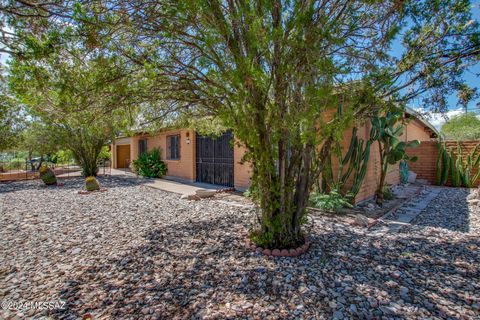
192, 157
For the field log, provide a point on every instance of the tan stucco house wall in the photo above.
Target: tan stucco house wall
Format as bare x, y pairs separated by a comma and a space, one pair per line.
185, 167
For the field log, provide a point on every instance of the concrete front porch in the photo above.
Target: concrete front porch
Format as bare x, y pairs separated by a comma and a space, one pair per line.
181, 187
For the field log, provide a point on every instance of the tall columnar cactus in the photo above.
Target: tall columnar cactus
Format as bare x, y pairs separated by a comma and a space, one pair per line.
471, 167
356, 158
48, 176
462, 171
360, 168
440, 165
91, 184
456, 167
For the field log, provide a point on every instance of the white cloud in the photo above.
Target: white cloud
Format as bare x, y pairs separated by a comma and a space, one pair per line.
438, 119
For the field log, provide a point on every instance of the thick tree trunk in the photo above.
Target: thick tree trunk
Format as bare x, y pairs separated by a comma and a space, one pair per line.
40, 163
283, 198
383, 174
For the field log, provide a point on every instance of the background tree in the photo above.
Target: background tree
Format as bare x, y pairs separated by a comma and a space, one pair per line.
11, 124
466, 94
37, 140
465, 126
79, 98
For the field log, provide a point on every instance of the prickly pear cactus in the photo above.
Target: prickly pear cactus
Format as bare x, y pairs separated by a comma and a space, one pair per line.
48, 176
91, 184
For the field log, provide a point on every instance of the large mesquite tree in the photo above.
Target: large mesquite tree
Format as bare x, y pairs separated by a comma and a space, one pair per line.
273, 71
268, 70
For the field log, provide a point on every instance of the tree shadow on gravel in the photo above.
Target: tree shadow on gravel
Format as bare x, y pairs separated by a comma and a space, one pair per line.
186, 268
454, 215
426, 273
69, 184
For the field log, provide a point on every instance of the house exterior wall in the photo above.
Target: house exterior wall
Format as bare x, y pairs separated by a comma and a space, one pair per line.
414, 130
241, 171
184, 168
113, 149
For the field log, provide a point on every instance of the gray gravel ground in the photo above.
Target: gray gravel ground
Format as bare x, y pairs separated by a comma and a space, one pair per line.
136, 252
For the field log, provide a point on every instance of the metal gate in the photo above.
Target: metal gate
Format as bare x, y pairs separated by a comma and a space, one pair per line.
215, 159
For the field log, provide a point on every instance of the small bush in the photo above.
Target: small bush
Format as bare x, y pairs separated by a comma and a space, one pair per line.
48, 176
150, 164
330, 202
63, 156
91, 184
14, 165
387, 193
104, 153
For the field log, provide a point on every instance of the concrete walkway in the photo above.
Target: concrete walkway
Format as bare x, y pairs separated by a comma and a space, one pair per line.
180, 188
393, 222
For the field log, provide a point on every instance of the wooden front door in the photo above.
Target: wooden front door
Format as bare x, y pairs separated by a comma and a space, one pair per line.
214, 159
123, 156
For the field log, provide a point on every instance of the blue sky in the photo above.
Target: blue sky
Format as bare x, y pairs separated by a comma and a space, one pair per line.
471, 77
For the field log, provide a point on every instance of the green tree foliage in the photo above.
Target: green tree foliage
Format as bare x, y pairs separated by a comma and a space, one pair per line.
462, 127
273, 71
78, 95
37, 140
11, 124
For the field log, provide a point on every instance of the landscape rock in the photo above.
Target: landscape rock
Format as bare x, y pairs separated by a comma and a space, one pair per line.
135, 252
361, 220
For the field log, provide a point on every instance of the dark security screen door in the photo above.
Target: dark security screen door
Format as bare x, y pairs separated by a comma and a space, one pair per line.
215, 159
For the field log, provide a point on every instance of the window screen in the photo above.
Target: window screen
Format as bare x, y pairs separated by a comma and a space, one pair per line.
173, 147
142, 146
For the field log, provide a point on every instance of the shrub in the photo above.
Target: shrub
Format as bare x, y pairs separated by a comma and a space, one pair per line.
330, 202
63, 156
15, 165
387, 193
150, 164
91, 184
104, 153
48, 176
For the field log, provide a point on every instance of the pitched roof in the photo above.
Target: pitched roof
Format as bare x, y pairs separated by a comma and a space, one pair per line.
422, 119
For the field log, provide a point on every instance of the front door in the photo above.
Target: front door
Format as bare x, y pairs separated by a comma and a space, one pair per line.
214, 162
123, 156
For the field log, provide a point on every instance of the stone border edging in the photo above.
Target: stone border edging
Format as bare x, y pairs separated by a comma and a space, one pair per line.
277, 252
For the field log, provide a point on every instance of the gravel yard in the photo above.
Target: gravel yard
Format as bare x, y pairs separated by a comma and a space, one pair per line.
137, 252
